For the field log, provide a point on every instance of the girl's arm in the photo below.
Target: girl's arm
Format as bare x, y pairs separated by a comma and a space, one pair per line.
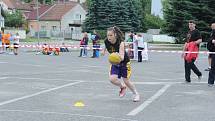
122, 50
103, 51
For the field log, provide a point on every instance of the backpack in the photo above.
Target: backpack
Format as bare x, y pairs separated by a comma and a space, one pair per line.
191, 47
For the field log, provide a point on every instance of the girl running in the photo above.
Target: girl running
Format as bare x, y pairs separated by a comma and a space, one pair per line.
115, 44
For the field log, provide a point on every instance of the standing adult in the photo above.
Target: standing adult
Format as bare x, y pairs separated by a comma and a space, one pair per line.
1, 42
16, 43
95, 38
140, 47
211, 48
192, 45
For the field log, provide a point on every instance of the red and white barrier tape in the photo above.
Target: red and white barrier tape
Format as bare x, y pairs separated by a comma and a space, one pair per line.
90, 47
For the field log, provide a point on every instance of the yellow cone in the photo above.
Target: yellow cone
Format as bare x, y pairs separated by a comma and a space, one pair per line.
79, 104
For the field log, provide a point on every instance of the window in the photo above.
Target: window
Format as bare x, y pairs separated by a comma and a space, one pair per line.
77, 16
43, 28
54, 28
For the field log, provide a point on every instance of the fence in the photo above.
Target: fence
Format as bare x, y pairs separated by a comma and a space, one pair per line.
77, 35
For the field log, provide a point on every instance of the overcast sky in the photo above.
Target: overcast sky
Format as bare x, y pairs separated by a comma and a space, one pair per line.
157, 7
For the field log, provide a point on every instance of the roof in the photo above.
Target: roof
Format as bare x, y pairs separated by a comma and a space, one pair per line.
9, 4
17, 4
84, 5
33, 14
58, 11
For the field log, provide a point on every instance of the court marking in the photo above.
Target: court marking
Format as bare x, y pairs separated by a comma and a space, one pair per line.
3, 62
69, 114
149, 101
38, 93
2, 78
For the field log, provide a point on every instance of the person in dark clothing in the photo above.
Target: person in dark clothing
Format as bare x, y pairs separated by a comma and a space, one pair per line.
211, 48
95, 38
193, 40
115, 44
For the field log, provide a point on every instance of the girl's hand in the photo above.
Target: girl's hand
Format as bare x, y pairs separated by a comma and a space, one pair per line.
102, 53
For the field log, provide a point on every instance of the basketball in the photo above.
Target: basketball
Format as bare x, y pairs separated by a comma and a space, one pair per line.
114, 58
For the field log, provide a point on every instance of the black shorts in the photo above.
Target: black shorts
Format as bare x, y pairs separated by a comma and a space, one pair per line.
15, 45
210, 55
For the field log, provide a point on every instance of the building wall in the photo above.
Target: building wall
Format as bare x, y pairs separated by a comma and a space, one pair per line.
47, 26
77, 14
81, 1
61, 28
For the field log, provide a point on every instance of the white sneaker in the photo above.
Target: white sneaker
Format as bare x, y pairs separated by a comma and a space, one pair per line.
136, 98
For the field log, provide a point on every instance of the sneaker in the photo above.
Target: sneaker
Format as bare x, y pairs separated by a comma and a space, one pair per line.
122, 92
187, 81
210, 85
208, 69
200, 78
136, 98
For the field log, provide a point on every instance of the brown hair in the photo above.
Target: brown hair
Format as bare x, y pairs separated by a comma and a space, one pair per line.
119, 34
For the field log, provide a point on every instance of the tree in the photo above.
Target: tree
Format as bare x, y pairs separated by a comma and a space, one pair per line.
106, 13
176, 15
91, 20
178, 12
14, 20
153, 22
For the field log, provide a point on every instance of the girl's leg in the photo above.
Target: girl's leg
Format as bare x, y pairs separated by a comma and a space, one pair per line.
130, 85
115, 81
133, 89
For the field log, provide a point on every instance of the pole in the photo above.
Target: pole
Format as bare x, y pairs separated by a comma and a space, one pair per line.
38, 26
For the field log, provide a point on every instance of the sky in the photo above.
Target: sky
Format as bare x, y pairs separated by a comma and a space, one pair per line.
157, 8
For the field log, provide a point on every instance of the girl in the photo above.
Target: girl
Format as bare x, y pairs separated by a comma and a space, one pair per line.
114, 44
16, 43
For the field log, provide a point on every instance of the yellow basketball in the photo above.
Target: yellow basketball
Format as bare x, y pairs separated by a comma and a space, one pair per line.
114, 58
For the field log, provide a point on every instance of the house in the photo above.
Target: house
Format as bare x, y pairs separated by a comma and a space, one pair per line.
12, 5
59, 20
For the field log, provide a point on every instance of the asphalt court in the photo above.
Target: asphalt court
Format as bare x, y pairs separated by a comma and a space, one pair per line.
45, 88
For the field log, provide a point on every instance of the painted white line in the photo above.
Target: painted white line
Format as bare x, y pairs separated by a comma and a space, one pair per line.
3, 62
34, 65
149, 101
69, 114
55, 79
157, 83
38, 93
2, 78
92, 66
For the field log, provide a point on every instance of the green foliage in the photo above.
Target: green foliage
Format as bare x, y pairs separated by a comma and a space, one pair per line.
153, 22
178, 12
126, 14
14, 19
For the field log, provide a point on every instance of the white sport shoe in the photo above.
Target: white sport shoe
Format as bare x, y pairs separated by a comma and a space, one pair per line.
136, 98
